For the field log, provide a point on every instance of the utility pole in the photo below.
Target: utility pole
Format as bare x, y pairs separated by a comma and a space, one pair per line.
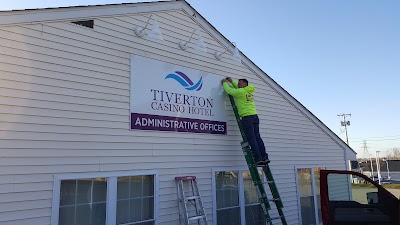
344, 124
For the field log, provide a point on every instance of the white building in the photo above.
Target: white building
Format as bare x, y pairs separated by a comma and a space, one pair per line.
69, 156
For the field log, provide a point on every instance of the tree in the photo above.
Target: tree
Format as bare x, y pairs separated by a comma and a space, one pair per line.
393, 153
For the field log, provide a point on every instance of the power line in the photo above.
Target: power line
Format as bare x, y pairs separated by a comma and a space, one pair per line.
389, 139
398, 135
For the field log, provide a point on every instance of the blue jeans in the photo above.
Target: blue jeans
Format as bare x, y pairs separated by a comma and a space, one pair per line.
252, 130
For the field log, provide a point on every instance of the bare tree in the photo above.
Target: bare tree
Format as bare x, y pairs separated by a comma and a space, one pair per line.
393, 153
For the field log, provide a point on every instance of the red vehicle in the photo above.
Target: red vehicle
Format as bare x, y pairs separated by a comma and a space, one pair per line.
351, 198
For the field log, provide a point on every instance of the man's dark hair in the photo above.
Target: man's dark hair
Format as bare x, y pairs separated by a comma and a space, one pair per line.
244, 80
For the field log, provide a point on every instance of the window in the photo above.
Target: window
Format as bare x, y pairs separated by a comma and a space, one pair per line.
236, 199
135, 200
340, 188
254, 212
228, 208
111, 200
83, 202
309, 195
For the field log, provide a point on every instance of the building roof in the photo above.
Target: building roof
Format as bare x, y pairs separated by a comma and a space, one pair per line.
394, 165
30, 16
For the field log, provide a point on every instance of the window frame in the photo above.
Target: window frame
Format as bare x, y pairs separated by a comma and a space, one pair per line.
242, 203
313, 190
111, 195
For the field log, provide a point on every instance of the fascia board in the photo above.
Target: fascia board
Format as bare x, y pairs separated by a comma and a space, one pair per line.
9, 18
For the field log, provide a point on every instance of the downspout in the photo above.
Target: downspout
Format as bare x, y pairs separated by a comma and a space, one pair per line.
346, 160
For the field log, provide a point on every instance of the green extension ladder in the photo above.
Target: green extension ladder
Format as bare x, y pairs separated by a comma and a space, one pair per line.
262, 196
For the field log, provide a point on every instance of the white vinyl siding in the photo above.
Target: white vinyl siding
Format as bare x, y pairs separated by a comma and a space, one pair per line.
64, 108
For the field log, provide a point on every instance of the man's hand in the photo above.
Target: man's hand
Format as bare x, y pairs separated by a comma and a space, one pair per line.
229, 79
223, 81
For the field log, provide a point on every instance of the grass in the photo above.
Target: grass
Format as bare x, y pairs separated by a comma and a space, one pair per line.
359, 193
391, 186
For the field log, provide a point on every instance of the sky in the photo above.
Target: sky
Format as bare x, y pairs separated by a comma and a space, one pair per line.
334, 57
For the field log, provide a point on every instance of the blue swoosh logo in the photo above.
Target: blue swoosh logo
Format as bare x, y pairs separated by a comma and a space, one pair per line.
185, 81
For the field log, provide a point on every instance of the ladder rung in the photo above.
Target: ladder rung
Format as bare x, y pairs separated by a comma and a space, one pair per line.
274, 218
186, 178
244, 145
196, 217
192, 197
269, 182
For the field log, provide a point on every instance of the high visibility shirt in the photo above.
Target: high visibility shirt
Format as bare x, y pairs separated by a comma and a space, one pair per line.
244, 98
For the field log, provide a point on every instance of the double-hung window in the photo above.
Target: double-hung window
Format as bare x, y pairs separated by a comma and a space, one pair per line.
135, 200
309, 195
108, 199
235, 199
83, 201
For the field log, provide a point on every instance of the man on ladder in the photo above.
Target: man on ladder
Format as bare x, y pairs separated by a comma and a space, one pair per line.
242, 100
243, 93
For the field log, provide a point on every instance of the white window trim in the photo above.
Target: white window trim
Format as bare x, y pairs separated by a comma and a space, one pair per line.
111, 192
240, 189
313, 189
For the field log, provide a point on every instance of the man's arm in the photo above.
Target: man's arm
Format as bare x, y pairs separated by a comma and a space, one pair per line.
234, 84
232, 91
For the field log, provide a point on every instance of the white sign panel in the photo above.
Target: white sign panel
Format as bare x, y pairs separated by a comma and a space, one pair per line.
169, 97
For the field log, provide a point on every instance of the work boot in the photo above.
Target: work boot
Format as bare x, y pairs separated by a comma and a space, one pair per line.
266, 160
261, 163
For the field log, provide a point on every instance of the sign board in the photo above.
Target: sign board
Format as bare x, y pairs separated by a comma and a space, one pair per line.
168, 97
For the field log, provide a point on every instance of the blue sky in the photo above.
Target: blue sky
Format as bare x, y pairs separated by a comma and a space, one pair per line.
333, 56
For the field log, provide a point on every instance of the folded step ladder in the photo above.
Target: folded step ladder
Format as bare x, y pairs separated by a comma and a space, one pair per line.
191, 207
262, 196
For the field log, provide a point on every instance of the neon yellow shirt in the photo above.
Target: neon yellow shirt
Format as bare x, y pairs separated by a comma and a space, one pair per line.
244, 98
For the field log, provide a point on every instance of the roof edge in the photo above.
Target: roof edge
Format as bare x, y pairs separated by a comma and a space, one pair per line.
32, 16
